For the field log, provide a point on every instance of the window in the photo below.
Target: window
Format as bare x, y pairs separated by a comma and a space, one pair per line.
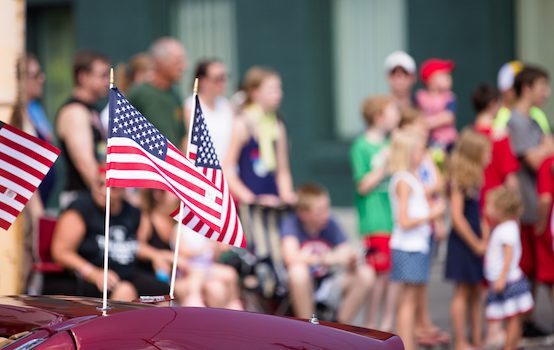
365, 32
207, 29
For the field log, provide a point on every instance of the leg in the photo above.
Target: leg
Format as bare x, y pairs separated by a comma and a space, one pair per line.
215, 293
124, 291
458, 315
513, 332
391, 298
301, 290
229, 277
194, 282
495, 335
375, 298
405, 317
356, 287
476, 310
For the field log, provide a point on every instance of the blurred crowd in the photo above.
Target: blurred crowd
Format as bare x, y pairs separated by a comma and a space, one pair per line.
419, 182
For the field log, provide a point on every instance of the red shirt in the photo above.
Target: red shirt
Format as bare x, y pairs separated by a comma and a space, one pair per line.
545, 178
503, 162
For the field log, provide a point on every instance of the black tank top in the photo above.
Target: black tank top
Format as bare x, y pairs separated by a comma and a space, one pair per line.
74, 180
123, 243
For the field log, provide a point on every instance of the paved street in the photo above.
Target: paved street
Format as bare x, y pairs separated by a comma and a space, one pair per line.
440, 290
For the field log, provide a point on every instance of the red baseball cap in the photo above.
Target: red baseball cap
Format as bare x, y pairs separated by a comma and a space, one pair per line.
433, 65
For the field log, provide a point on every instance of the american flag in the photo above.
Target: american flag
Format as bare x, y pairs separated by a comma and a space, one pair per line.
201, 150
140, 156
24, 162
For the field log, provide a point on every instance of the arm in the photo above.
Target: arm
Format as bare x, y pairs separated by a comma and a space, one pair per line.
443, 118
535, 156
69, 233
283, 176
291, 251
73, 127
545, 204
507, 253
371, 180
366, 178
460, 224
238, 140
161, 259
342, 255
403, 191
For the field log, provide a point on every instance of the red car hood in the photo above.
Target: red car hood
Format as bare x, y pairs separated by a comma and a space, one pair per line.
140, 326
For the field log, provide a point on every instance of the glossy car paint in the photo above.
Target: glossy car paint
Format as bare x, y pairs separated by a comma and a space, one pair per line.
74, 322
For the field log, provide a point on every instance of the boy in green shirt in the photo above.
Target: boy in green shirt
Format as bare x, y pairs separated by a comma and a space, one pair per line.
368, 156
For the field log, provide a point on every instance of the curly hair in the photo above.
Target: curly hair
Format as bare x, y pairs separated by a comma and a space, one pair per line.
467, 162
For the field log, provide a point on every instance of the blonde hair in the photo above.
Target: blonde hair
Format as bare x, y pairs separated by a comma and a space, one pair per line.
506, 201
307, 193
254, 78
466, 163
373, 107
409, 116
404, 143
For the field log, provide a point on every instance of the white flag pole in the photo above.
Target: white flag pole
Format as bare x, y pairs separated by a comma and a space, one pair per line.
176, 252
181, 206
105, 307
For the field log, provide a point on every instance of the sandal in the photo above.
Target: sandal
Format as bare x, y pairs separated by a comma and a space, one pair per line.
432, 336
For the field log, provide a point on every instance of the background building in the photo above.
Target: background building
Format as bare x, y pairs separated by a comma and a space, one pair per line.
330, 53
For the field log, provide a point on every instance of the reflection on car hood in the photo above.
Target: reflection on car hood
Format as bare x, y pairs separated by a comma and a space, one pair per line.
140, 326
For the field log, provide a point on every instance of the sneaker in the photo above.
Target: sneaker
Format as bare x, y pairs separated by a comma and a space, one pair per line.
531, 330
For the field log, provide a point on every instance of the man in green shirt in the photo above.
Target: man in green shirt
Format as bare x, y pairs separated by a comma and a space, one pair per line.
156, 99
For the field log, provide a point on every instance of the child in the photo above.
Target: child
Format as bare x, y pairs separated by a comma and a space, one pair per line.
368, 156
466, 244
312, 245
438, 102
410, 241
545, 244
509, 292
426, 333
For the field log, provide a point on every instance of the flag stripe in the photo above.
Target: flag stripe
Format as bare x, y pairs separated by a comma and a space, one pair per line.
24, 161
116, 176
18, 202
141, 170
6, 161
46, 149
5, 207
16, 188
6, 224
181, 169
156, 177
33, 153
18, 180
139, 163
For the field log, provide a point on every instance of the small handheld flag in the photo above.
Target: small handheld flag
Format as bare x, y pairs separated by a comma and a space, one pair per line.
24, 162
140, 156
202, 152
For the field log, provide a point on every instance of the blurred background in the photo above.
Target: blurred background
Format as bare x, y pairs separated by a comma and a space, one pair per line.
330, 53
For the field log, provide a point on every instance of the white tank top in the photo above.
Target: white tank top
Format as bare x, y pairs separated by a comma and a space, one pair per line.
415, 239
